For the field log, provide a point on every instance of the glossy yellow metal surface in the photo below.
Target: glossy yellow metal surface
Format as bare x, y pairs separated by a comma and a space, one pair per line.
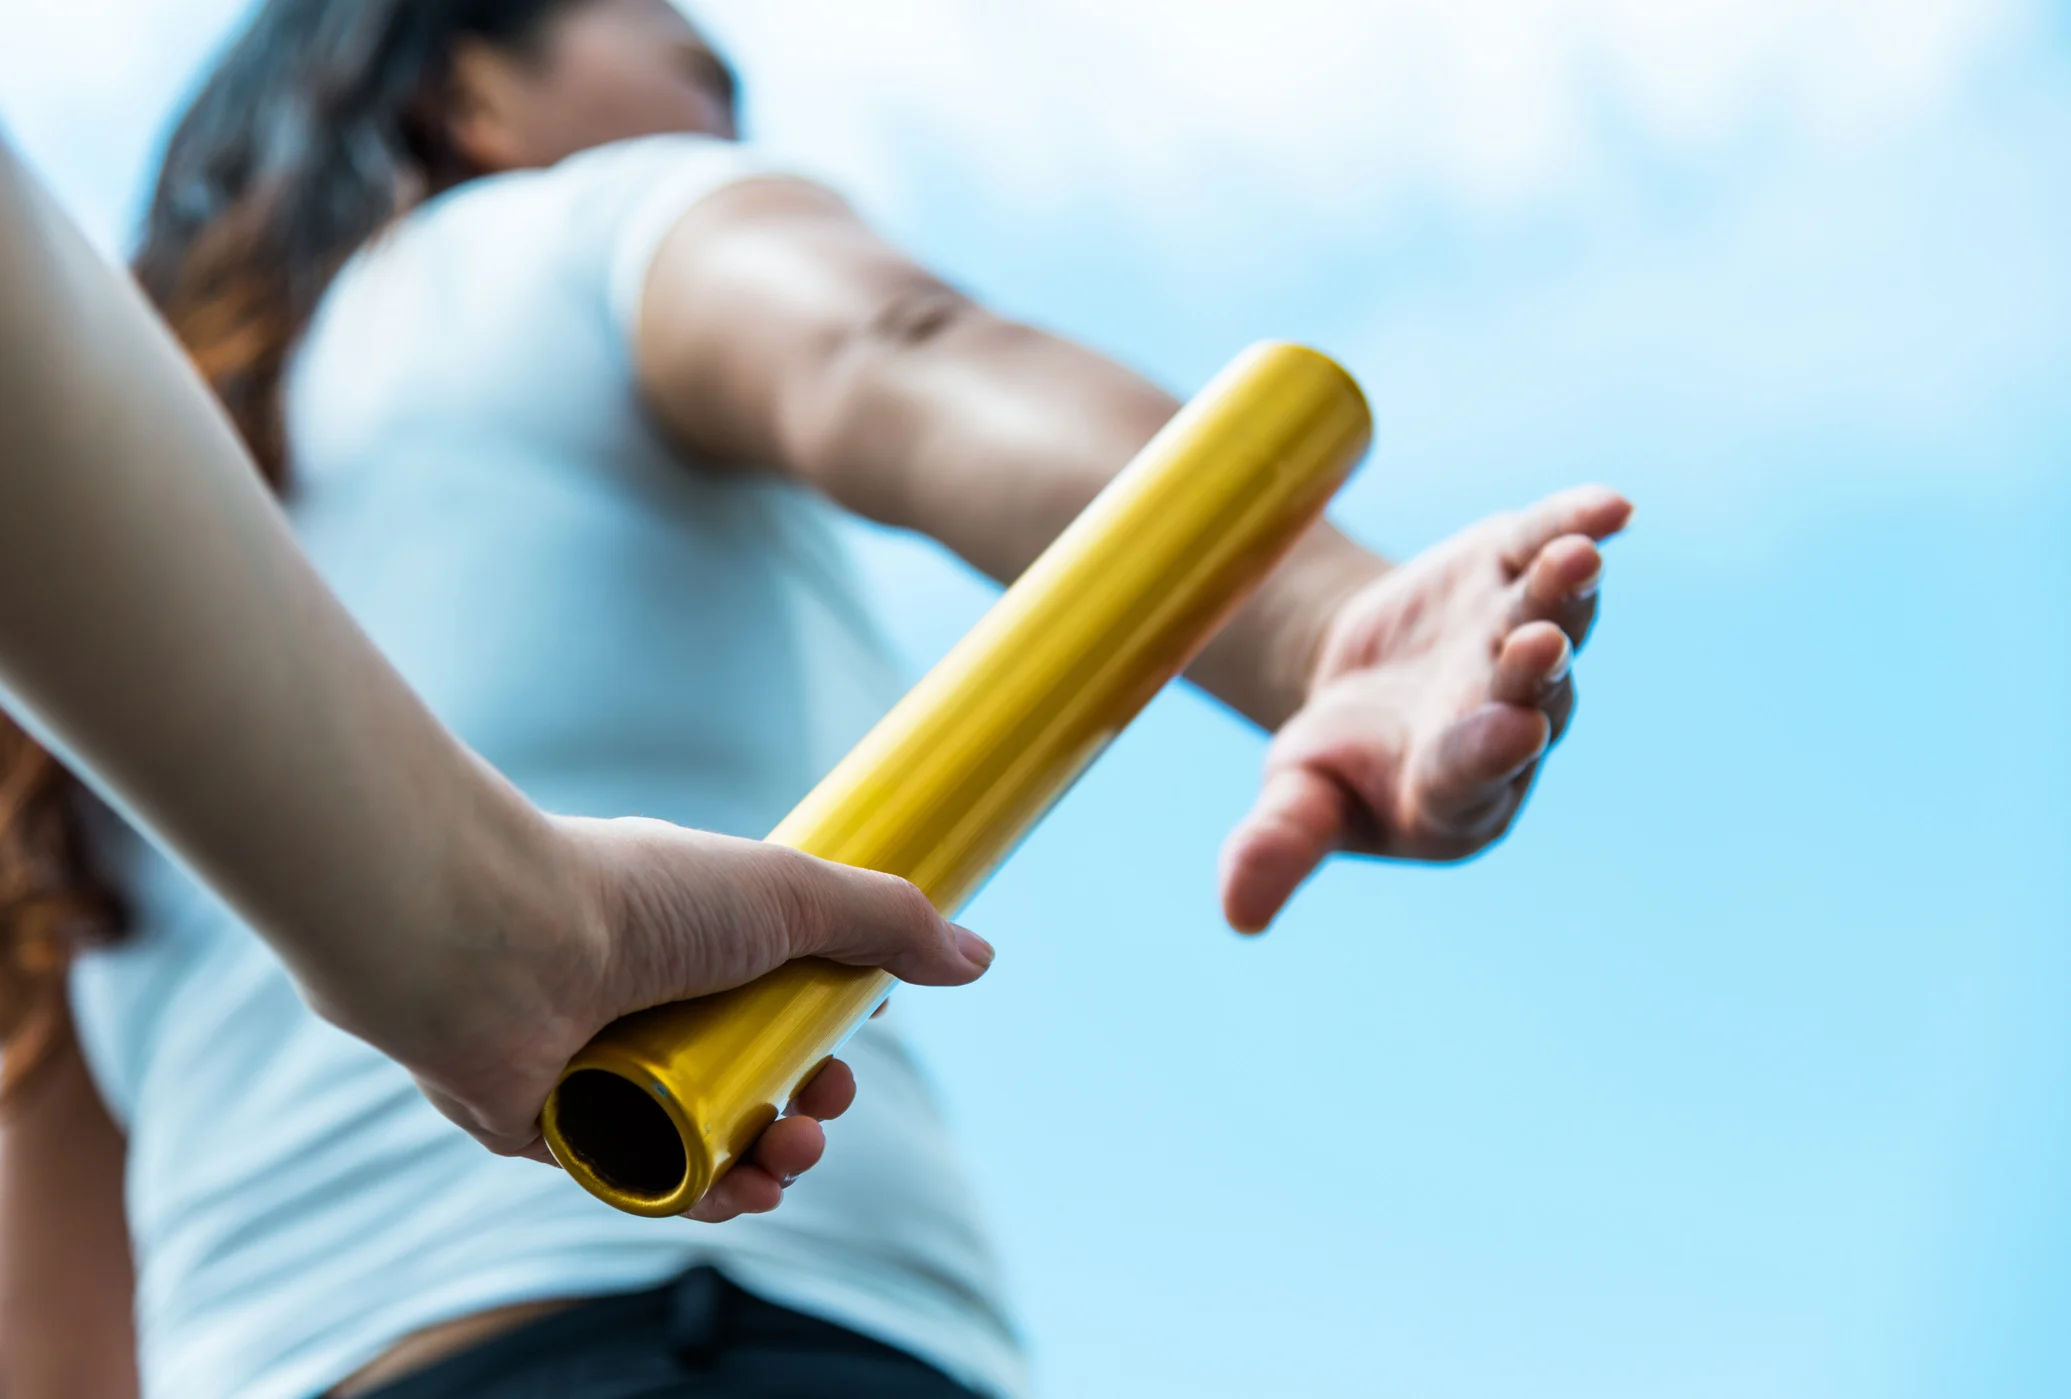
657, 1107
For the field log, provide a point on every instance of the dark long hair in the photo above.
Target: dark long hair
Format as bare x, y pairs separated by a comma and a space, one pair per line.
323, 122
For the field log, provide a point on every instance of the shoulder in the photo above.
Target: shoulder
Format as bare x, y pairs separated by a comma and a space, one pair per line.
580, 207
595, 219
583, 228
631, 168
627, 196
522, 279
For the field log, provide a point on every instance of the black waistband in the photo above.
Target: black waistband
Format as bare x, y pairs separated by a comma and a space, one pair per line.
697, 1319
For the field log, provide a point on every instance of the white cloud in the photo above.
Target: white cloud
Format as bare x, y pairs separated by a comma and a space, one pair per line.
1857, 242
1334, 103
1489, 101
85, 85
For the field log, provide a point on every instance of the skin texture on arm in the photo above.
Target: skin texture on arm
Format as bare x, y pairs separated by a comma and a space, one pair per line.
66, 1285
778, 329
159, 621
1411, 705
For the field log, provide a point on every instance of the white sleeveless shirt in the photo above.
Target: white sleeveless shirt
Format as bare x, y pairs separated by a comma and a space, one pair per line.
621, 634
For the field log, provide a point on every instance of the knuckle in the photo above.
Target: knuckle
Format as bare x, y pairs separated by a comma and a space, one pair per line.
801, 890
908, 916
913, 905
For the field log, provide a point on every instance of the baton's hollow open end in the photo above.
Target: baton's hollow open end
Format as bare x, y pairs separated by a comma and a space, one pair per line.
623, 1138
660, 1105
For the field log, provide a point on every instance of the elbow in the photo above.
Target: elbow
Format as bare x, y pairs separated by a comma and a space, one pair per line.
916, 316
860, 410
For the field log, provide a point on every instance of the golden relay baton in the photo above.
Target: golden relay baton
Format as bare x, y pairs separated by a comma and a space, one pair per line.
656, 1108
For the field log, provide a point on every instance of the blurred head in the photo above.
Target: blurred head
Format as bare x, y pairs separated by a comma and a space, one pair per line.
327, 118
324, 121
595, 71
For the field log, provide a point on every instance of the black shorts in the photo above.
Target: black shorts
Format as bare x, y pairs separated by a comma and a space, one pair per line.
699, 1337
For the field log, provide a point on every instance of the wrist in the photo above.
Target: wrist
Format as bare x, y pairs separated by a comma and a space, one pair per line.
529, 936
509, 928
1266, 660
1338, 572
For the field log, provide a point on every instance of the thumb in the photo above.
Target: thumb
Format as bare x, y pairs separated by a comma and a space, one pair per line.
1299, 819
867, 919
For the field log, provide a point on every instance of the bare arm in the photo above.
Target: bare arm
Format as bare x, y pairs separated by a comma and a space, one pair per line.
778, 329
157, 617
1411, 706
159, 621
66, 1289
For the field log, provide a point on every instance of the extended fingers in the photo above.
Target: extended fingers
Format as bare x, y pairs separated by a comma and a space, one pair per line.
1596, 512
1560, 586
1299, 819
1534, 670
1559, 707
1534, 659
1471, 769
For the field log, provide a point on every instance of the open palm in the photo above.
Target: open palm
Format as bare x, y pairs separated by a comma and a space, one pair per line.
1438, 690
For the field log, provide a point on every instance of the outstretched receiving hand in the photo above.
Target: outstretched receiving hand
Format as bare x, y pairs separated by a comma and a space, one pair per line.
1438, 689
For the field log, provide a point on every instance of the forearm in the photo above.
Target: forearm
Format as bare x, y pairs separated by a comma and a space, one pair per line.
158, 619
991, 437
776, 329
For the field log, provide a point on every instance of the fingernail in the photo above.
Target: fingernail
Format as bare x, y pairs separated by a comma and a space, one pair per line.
787, 1182
1589, 586
976, 950
1560, 671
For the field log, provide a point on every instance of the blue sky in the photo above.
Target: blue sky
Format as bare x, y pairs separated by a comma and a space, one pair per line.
1743, 1067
